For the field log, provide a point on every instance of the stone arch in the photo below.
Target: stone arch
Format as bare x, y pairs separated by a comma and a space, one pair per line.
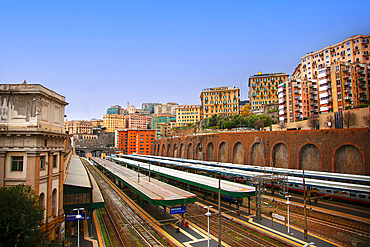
169, 150
182, 151
175, 151
54, 203
223, 153
190, 151
280, 156
309, 158
158, 150
238, 153
210, 152
163, 149
154, 150
348, 159
257, 154
199, 152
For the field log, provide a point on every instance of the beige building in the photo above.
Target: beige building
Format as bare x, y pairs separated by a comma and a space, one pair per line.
169, 108
96, 122
79, 127
113, 121
187, 114
32, 141
222, 101
264, 89
353, 50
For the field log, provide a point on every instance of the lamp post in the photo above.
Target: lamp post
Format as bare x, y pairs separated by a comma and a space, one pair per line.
208, 214
78, 216
288, 203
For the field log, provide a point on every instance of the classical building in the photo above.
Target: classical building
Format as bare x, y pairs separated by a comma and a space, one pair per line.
222, 101
352, 50
187, 114
130, 141
79, 127
264, 89
32, 141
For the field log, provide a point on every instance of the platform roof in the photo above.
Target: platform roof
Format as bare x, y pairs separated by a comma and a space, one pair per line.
79, 180
208, 183
156, 192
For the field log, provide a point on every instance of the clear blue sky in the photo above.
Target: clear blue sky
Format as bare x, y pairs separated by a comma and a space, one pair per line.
103, 53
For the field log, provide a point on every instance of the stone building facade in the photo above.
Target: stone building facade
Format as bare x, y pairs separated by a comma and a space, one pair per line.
32, 147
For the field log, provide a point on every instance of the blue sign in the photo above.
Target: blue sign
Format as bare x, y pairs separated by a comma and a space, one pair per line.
178, 210
72, 217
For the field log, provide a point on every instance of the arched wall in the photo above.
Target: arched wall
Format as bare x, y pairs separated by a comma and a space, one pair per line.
223, 153
199, 152
175, 150
315, 149
210, 152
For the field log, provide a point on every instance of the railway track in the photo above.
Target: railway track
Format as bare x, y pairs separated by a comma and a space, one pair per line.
131, 228
111, 230
231, 233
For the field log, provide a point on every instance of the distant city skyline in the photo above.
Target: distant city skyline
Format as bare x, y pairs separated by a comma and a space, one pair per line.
100, 54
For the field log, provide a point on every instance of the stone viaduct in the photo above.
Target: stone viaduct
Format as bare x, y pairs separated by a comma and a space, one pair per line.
329, 150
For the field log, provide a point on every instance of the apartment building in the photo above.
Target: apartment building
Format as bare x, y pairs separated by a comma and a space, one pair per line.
162, 118
116, 109
114, 121
136, 121
264, 88
298, 99
33, 138
353, 50
79, 127
169, 108
96, 122
129, 141
224, 101
187, 114
162, 130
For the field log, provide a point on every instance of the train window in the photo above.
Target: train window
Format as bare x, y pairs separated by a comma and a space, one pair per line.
296, 185
336, 191
329, 191
352, 194
362, 196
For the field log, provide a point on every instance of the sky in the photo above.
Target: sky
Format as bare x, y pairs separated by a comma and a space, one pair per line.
102, 53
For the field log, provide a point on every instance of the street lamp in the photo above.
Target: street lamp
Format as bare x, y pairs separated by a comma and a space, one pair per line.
78, 216
208, 214
288, 203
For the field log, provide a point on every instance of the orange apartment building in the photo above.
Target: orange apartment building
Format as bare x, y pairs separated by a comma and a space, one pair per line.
353, 50
332, 79
129, 141
264, 88
222, 101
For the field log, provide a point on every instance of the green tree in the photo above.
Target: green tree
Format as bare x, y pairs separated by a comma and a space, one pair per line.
251, 120
20, 217
228, 125
267, 121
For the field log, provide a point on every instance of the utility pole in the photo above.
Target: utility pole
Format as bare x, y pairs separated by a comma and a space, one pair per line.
304, 207
219, 210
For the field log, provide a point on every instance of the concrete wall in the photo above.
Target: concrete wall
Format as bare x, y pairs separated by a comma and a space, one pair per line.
330, 150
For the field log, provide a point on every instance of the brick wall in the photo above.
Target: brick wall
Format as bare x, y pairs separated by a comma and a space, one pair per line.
330, 150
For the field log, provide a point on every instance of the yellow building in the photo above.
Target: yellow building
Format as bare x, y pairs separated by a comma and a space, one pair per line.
113, 121
264, 88
353, 50
222, 101
187, 114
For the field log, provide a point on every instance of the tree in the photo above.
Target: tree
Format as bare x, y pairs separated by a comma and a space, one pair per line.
349, 119
366, 119
267, 121
20, 222
228, 125
313, 122
246, 111
258, 124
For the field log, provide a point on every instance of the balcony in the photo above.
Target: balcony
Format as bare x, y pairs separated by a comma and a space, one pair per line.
312, 103
365, 41
346, 76
312, 92
314, 110
362, 85
296, 85
298, 115
348, 98
346, 84
345, 69
365, 54
297, 91
361, 70
313, 97
361, 78
297, 97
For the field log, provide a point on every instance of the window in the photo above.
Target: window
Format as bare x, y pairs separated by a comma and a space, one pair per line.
55, 161
17, 163
42, 162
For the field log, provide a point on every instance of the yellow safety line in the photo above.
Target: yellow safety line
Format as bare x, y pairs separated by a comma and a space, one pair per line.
98, 230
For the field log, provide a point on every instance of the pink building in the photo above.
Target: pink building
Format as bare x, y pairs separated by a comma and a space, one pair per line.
136, 121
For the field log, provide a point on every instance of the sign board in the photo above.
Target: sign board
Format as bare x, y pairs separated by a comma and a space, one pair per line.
178, 210
279, 217
72, 217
